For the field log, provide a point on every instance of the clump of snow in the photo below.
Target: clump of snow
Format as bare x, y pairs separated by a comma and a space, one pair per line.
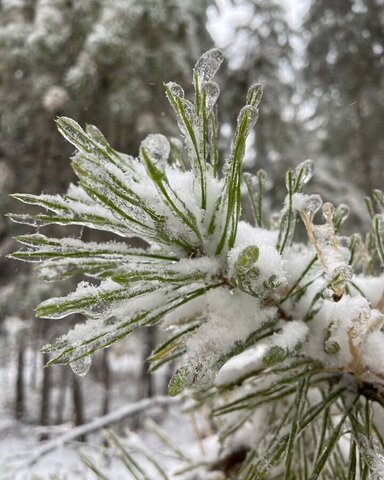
373, 352
372, 288
231, 317
241, 365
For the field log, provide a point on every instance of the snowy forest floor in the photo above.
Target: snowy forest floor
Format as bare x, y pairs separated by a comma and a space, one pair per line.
20, 441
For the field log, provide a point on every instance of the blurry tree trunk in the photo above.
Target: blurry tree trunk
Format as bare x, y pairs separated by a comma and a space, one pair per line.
60, 405
145, 380
78, 404
19, 401
107, 380
45, 404
146, 385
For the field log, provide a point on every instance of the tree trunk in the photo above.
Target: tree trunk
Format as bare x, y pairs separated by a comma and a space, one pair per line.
19, 401
107, 380
45, 404
146, 386
60, 405
78, 404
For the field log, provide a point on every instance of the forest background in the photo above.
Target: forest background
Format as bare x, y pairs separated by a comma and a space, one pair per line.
321, 64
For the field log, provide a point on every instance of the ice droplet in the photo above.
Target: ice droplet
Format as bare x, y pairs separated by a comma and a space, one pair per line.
81, 366
343, 273
254, 95
247, 117
312, 205
341, 213
158, 148
180, 379
97, 310
305, 170
175, 90
208, 64
328, 211
212, 91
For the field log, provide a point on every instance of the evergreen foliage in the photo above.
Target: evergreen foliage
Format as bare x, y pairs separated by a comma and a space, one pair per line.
262, 49
282, 339
343, 77
88, 60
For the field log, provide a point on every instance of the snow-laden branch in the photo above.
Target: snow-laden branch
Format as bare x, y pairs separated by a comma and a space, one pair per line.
98, 424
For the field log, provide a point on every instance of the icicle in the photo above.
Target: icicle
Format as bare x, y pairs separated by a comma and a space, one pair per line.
81, 367
208, 64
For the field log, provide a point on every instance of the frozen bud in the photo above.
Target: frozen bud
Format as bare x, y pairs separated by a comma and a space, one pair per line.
55, 99
246, 271
254, 95
331, 347
158, 148
208, 64
247, 258
272, 282
81, 366
246, 119
274, 355
212, 92
304, 172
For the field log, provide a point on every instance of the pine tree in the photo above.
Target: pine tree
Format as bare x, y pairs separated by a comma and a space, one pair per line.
281, 339
344, 64
261, 49
88, 59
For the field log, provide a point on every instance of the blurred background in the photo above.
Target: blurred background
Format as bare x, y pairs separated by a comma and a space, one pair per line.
104, 62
